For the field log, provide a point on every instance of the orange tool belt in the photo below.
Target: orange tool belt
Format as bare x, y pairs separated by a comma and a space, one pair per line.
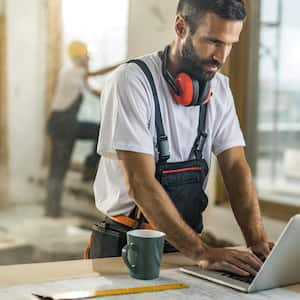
124, 220
130, 222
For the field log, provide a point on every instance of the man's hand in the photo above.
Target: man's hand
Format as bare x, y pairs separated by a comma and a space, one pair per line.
234, 261
262, 249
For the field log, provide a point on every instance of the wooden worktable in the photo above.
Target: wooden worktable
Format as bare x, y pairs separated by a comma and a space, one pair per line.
43, 272
13, 277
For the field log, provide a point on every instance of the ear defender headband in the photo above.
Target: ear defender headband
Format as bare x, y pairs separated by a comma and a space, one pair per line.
186, 90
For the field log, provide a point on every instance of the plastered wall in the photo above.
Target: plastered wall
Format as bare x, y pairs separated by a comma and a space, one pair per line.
150, 25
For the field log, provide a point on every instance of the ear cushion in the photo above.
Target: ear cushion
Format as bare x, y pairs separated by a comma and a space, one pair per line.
186, 86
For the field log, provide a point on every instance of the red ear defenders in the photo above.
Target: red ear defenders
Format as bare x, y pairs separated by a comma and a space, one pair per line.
186, 90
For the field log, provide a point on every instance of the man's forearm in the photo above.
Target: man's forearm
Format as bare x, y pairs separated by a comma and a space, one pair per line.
244, 202
161, 212
103, 70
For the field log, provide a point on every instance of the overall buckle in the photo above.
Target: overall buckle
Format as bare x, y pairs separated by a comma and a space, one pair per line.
163, 148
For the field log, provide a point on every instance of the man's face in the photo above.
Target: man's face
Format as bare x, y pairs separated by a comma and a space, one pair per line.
202, 54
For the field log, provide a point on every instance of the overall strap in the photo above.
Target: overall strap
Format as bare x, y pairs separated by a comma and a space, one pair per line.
202, 135
162, 139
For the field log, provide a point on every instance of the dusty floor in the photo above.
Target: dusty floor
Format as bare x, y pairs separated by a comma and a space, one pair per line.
27, 236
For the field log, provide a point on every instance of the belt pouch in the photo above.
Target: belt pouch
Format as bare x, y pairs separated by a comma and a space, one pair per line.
106, 242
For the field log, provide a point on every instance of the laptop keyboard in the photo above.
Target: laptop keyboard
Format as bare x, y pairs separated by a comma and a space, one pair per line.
247, 279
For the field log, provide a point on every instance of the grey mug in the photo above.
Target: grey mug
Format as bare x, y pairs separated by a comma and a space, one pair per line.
143, 253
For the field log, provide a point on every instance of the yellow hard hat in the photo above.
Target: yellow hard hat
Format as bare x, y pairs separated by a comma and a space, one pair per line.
77, 49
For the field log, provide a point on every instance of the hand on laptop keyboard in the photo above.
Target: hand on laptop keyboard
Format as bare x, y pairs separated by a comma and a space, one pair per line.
239, 262
262, 250
260, 256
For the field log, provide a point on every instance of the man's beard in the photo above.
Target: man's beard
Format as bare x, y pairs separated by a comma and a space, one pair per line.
192, 65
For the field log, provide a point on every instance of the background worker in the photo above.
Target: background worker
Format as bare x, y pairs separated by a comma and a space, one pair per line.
158, 159
64, 128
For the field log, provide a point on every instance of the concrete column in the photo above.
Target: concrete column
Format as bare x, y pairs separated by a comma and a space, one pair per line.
26, 61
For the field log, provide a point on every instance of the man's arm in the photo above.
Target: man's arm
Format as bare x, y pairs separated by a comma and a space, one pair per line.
242, 194
158, 208
103, 70
139, 171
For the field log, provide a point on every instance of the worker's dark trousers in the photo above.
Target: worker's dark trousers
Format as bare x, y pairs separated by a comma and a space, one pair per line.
64, 130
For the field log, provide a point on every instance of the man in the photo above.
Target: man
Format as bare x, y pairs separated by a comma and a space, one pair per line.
134, 173
63, 126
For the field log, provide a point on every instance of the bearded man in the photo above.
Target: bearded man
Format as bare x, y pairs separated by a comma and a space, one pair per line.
163, 115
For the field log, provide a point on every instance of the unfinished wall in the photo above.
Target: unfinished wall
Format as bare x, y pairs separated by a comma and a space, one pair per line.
150, 25
26, 31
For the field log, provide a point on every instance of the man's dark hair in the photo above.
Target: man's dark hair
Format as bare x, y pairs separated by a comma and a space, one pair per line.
193, 10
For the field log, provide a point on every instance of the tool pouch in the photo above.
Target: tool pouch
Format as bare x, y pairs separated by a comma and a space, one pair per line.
107, 241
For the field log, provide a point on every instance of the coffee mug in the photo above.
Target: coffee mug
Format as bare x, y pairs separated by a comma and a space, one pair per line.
143, 253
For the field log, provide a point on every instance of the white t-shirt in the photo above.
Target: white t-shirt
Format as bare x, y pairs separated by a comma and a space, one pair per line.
70, 85
128, 123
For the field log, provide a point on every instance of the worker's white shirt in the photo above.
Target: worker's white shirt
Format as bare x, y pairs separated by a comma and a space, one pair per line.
70, 85
128, 123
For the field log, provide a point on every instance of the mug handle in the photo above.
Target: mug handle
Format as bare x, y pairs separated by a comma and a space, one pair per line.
125, 252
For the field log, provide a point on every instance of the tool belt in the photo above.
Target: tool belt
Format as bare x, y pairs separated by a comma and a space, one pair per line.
109, 237
130, 222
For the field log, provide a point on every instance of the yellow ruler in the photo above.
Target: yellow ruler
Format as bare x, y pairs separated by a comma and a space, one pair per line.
124, 291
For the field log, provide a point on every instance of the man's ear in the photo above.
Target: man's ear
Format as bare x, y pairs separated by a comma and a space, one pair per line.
180, 26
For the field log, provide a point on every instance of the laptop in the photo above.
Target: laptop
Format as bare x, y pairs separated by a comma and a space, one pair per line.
281, 268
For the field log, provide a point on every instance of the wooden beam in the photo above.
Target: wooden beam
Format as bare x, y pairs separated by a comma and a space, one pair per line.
54, 58
54, 51
3, 116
